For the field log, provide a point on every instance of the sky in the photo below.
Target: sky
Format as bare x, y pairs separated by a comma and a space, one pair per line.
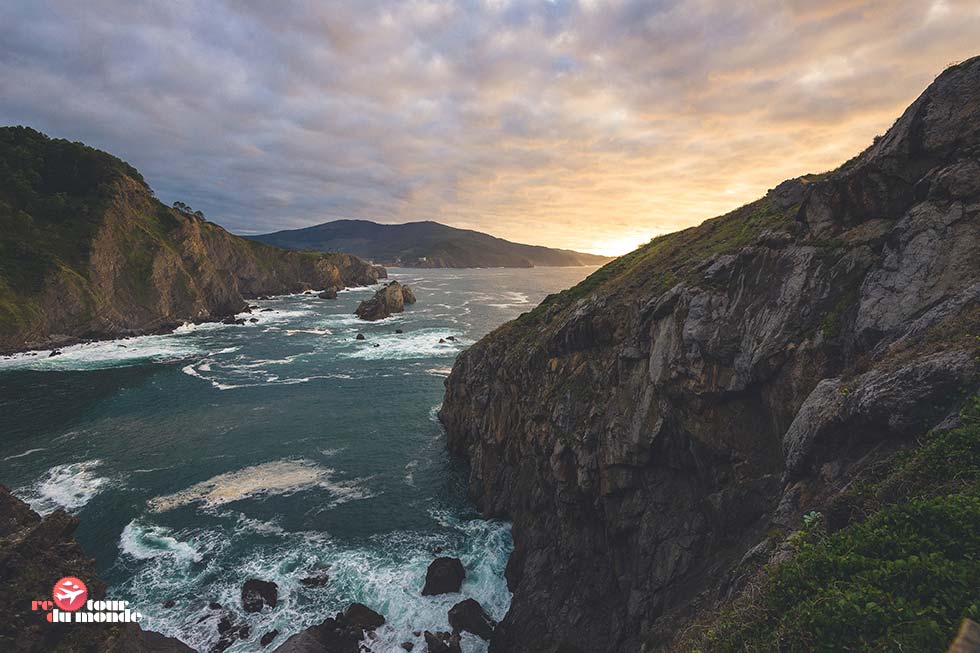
588, 125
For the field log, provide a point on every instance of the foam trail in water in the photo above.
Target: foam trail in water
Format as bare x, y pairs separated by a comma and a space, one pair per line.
279, 477
26, 453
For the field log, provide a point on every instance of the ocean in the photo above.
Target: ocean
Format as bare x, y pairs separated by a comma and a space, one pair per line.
281, 449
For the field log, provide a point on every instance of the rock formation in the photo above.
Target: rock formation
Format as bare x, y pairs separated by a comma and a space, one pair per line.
339, 634
444, 575
390, 299
257, 594
90, 253
469, 616
647, 428
34, 554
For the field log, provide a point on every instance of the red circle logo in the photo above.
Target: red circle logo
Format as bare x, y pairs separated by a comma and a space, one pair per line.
69, 594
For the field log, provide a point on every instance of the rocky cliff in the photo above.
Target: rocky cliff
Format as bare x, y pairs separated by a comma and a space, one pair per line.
34, 554
86, 251
648, 428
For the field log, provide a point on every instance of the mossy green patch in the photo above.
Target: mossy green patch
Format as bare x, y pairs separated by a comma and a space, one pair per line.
899, 577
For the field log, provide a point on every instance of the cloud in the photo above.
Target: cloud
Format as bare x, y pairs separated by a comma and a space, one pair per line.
589, 125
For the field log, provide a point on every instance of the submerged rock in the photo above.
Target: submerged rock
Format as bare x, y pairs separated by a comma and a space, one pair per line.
360, 336
443, 576
390, 299
469, 616
256, 594
268, 638
341, 633
440, 642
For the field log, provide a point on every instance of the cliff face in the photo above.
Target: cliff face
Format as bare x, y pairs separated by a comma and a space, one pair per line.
86, 251
34, 554
647, 428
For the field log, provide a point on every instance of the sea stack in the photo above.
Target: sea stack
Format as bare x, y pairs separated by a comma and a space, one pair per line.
390, 299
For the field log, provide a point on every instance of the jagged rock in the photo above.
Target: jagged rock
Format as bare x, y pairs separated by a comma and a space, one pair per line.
645, 432
469, 616
54, 353
318, 579
398, 331
443, 576
329, 293
390, 299
338, 634
441, 642
256, 594
253, 320
268, 638
360, 336
233, 320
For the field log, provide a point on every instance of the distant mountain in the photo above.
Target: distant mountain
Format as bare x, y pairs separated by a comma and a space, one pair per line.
87, 251
424, 245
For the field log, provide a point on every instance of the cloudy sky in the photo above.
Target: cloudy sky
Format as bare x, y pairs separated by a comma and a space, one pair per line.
591, 125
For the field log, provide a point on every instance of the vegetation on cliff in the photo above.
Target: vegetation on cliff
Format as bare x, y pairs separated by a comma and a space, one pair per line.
87, 251
893, 565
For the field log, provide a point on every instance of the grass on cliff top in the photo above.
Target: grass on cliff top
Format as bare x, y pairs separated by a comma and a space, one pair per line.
900, 577
669, 259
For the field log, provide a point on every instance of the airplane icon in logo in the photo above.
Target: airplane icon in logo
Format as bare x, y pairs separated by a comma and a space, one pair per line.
67, 592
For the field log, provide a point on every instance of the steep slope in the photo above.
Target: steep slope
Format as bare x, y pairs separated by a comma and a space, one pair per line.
687, 403
424, 245
86, 251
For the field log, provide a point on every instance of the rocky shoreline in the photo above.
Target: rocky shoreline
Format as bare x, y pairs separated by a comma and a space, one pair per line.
36, 551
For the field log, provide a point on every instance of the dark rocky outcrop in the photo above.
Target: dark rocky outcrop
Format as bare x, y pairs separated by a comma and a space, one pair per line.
257, 594
444, 575
329, 293
469, 616
390, 299
338, 634
35, 553
89, 253
649, 428
268, 638
441, 642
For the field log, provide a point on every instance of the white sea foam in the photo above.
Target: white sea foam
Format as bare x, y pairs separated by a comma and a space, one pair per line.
26, 453
110, 353
279, 477
69, 486
142, 542
423, 343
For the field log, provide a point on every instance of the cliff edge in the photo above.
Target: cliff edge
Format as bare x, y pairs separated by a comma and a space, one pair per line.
686, 405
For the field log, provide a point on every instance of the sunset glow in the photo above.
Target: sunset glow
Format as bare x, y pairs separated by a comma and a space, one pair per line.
586, 125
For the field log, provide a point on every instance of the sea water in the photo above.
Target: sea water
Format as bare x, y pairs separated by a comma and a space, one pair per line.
280, 449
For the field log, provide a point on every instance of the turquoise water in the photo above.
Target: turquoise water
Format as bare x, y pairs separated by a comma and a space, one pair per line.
274, 450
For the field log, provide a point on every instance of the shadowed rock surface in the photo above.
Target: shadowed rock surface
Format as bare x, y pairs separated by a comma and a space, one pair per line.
339, 634
647, 428
469, 616
87, 252
34, 554
390, 299
444, 575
